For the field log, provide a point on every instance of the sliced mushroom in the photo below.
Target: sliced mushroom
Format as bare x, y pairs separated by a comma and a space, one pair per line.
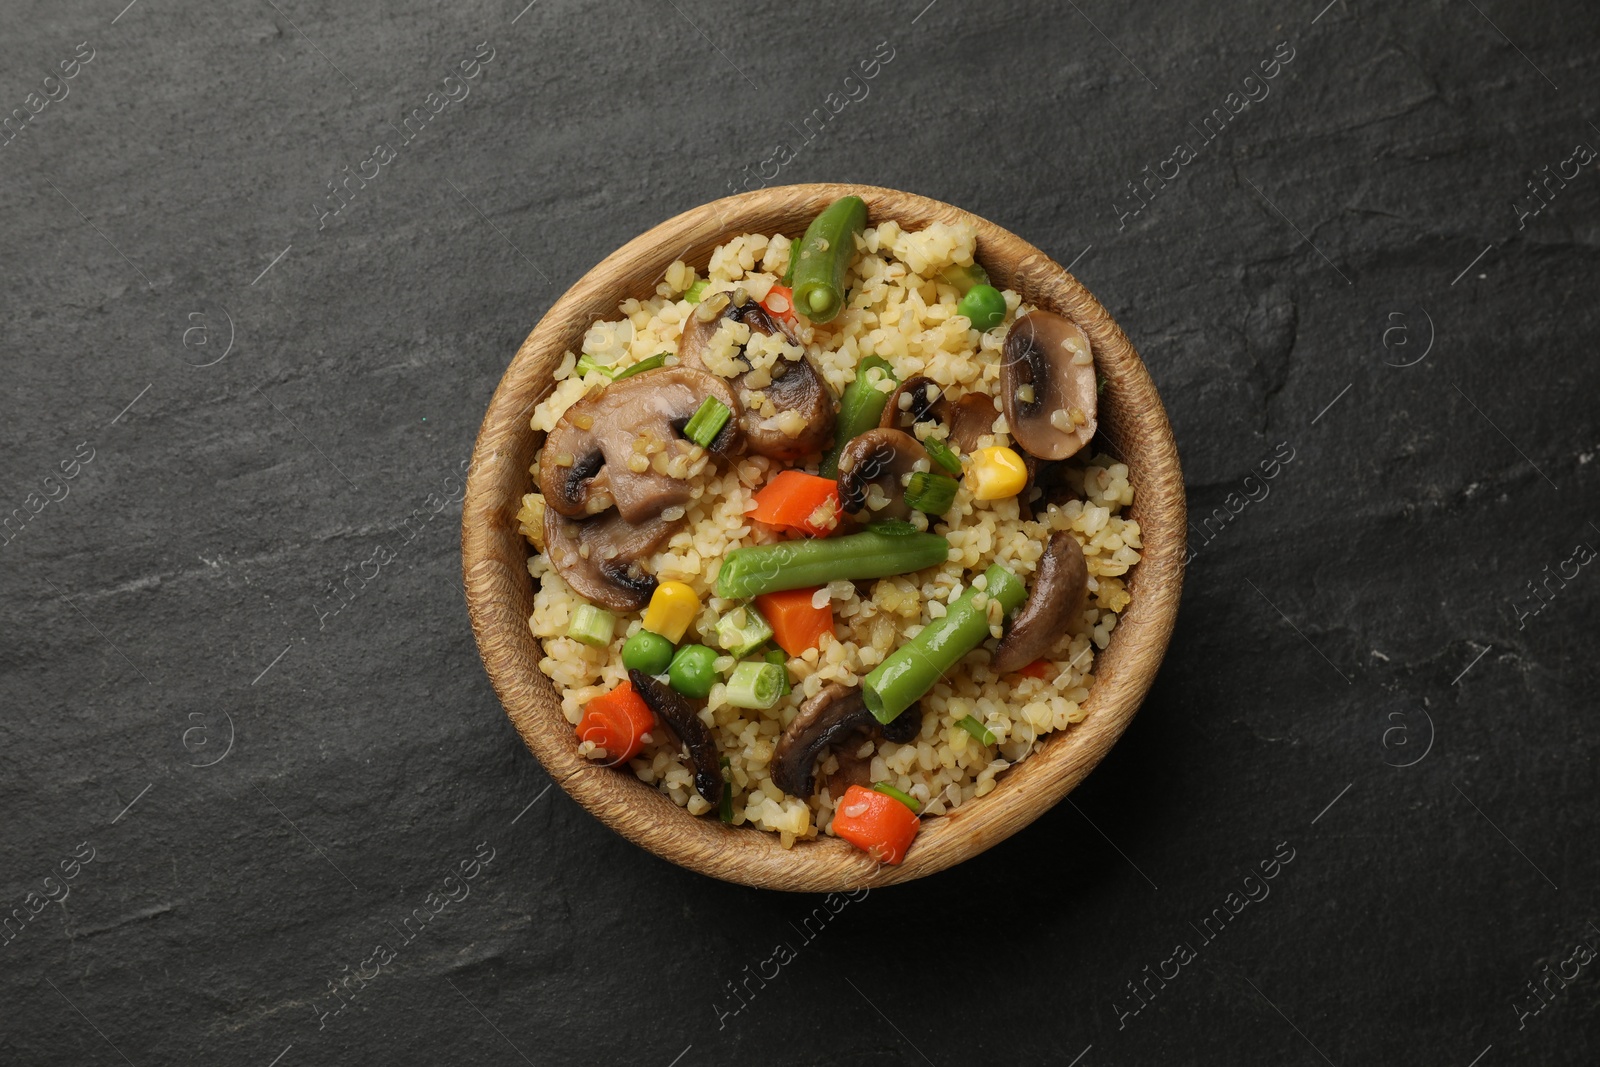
917, 399
880, 457
825, 720
970, 418
680, 716
599, 557
1056, 599
1048, 385
801, 419
593, 457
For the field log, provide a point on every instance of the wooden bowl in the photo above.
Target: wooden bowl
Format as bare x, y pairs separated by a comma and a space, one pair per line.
500, 591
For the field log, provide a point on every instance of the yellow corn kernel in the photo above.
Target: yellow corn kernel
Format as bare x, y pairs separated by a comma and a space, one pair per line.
995, 473
673, 607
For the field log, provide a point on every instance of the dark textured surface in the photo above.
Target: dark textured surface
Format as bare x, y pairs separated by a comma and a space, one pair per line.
1361, 613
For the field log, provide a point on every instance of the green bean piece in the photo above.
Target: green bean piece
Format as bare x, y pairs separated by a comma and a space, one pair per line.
859, 410
913, 668
825, 254
757, 569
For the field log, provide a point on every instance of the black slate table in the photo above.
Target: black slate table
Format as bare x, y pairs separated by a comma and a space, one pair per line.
264, 262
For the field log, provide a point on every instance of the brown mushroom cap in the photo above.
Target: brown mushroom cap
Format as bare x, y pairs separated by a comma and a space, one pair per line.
795, 386
970, 418
599, 556
1048, 385
587, 460
681, 717
825, 720
1056, 599
917, 399
878, 457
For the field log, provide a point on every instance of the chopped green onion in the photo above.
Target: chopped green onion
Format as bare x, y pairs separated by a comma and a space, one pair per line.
972, 726
943, 455
693, 295
648, 363
859, 409
725, 807
742, 631
707, 422
903, 797
586, 364
592, 625
931, 494
755, 685
781, 658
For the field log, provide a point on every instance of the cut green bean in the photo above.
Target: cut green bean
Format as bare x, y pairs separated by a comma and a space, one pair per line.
859, 409
931, 494
592, 625
756, 684
899, 794
825, 254
742, 630
982, 733
912, 669
648, 363
748, 572
708, 421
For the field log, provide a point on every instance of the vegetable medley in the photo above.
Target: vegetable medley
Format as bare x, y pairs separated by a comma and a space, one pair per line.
857, 490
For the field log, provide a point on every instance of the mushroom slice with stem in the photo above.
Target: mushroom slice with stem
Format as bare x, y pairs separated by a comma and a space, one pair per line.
881, 457
1056, 599
624, 445
599, 557
1048, 385
800, 418
828, 719
684, 721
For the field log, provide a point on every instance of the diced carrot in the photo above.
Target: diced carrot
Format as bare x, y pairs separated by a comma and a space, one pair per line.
618, 722
799, 501
796, 625
780, 301
1039, 668
876, 823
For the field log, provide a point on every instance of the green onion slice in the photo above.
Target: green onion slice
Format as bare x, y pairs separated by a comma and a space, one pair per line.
592, 625
707, 422
693, 295
586, 363
943, 455
931, 494
977, 730
757, 685
903, 797
742, 631
648, 363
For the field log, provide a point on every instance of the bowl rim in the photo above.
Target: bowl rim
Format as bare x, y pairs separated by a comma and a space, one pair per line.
499, 588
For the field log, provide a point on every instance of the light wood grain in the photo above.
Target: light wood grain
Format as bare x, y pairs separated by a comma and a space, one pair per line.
500, 591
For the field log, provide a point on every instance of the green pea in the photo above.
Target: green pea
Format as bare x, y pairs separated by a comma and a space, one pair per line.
984, 306
648, 652
692, 672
